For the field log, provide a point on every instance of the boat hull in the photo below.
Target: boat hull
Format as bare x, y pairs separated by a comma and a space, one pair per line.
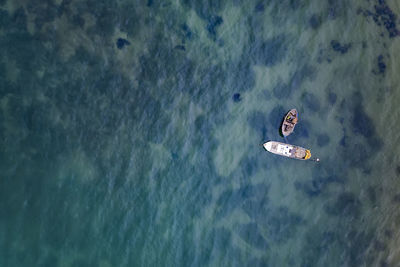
289, 122
287, 150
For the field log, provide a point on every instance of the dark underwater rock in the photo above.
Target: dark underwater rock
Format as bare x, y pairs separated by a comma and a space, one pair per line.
187, 32
387, 17
322, 140
375, 143
4, 18
332, 13
388, 233
180, 47
332, 98
362, 123
205, 9
122, 42
396, 198
384, 16
19, 20
259, 7
315, 21
371, 192
381, 65
213, 23
379, 246
45, 12
236, 97
336, 46
343, 141
78, 21
398, 170
335, 8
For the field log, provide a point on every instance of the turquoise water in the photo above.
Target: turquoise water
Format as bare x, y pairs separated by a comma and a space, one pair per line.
131, 131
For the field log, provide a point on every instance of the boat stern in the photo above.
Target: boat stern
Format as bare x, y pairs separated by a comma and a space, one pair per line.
308, 154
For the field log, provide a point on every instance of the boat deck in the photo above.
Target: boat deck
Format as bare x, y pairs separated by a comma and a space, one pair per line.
284, 150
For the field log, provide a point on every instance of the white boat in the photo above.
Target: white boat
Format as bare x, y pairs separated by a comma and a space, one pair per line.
286, 150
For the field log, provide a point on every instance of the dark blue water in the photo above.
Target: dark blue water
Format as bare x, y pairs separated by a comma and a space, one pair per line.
131, 132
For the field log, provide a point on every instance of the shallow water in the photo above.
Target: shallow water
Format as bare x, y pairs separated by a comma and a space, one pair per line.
131, 131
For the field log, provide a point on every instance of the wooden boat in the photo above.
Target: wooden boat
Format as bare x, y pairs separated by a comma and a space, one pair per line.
289, 122
286, 150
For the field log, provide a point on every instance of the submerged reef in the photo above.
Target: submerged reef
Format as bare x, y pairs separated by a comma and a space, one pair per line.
384, 16
362, 123
121, 43
381, 66
186, 32
237, 97
336, 9
259, 7
315, 21
398, 170
213, 23
341, 48
332, 97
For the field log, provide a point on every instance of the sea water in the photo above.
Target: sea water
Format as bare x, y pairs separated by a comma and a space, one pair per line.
131, 133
